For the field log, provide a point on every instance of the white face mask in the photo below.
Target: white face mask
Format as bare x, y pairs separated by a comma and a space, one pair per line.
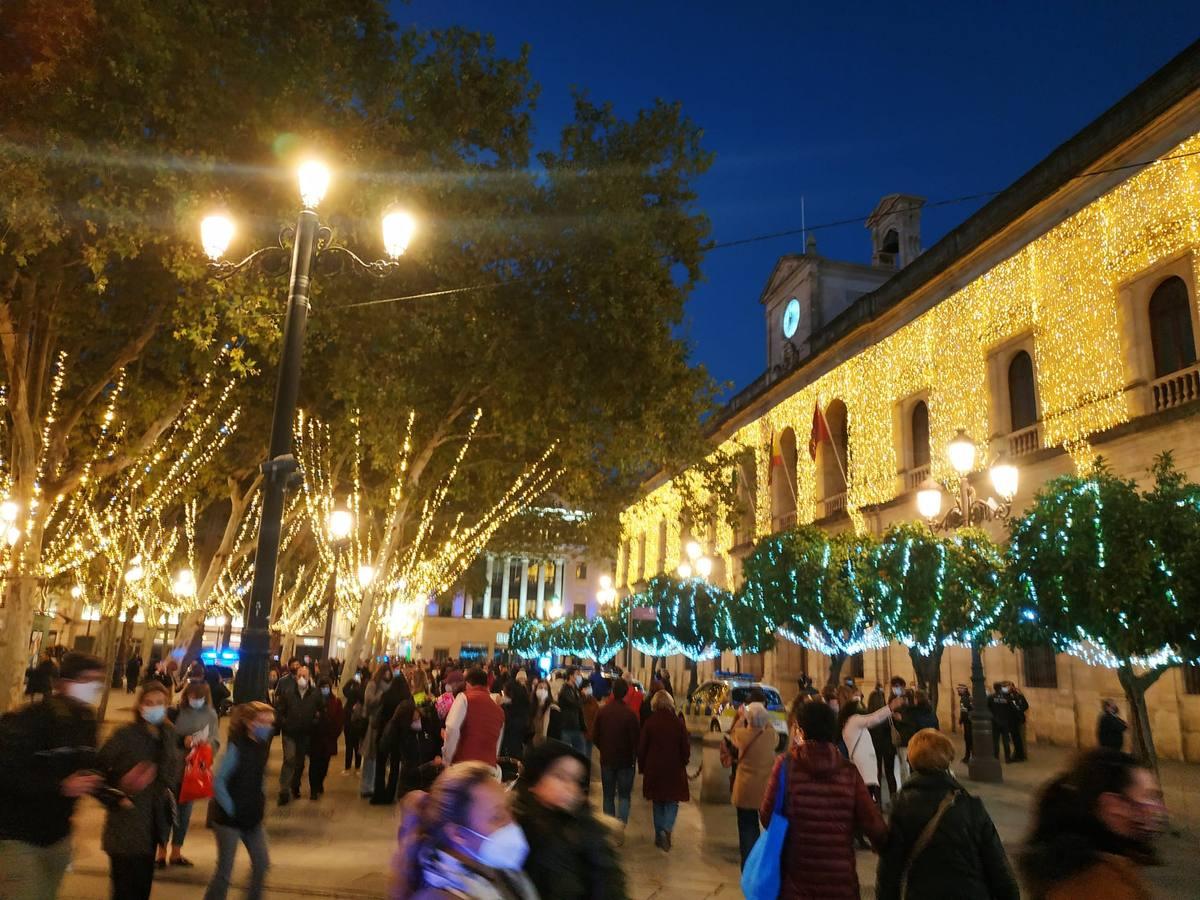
1004, 690
358, 676
196, 703
897, 691
88, 692
504, 848
302, 683
542, 693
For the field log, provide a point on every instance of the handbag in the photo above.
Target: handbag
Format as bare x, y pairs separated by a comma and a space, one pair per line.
762, 874
197, 775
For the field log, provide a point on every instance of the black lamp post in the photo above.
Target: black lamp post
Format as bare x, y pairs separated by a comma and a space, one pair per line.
970, 510
309, 242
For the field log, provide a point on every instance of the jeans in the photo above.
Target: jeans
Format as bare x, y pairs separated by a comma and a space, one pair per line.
295, 748
747, 821
179, 832
617, 786
32, 872
664, 815
575, 738
132, 876
255, 840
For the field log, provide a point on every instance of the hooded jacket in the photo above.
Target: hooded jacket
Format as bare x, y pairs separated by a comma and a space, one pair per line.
825, 804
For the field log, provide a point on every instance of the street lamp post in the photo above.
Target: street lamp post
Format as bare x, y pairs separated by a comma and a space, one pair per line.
970, 510
310, 241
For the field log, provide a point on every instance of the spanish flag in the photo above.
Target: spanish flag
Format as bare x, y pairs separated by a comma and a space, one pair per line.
820, 431
776, 454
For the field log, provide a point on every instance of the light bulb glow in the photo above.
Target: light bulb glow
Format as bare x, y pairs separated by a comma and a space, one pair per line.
606, 582
366, 574
216, 234
340, 524
135, 573
12, 535
555, 609
185, 583
314, 182
693, 551
961, 452
76, 591
929, 499
9, 510
1004, 479
398, 230
684, 570
704, 567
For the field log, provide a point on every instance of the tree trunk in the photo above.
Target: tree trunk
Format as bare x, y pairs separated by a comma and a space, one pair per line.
836, 661
928, 670
1135, 687
118, 670
20, 603
106, 641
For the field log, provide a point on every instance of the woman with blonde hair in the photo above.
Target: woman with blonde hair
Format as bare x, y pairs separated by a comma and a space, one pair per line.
460, 841
238, 798
942, 843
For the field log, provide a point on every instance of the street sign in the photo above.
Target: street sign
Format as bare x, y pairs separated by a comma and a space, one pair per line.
645, 614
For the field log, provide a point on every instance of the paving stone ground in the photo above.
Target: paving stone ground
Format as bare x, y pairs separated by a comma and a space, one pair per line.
340, 846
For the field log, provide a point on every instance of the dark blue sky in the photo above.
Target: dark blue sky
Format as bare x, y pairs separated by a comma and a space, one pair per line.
804, 99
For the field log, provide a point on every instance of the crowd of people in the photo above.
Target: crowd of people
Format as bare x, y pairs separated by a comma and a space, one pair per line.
488, 762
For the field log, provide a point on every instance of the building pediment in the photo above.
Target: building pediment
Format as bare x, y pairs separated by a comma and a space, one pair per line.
785, 268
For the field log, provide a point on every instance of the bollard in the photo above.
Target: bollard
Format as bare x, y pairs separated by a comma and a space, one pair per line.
714, 778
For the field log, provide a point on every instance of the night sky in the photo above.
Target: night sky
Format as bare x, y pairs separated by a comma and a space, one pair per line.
803, 99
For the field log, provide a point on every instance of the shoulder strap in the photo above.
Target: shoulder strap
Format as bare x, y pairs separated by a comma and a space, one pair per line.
925, 837
857, 741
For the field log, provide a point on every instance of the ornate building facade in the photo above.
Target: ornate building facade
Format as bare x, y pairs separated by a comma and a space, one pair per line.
1057, 324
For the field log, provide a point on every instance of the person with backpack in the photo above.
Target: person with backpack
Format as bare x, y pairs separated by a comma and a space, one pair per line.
942, 843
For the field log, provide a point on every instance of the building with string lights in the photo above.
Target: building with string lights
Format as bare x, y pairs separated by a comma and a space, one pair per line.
1056, 325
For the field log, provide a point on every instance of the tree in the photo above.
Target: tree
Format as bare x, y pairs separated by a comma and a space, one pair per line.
1101, 571
930, 591
813, 587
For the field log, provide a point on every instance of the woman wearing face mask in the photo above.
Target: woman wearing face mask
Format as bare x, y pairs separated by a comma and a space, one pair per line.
546, 724
574, 859
460, 841
133, 831
196, 724
355, 727
239, 801
1094, 828
942, 844
325, 738
517, 715
372, 700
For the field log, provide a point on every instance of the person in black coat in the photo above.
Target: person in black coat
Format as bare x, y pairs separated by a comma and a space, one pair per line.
396, 709
1110, 730
518, 712
963, 858
573, 856
356, 721
298, 708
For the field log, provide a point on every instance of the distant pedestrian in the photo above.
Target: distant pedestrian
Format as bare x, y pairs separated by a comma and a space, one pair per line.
133, 669
546, 723
474, 725
41, 678
855, 723
965, 707
372, 699
1110, 730
518, 712
1005, 722
1094, 828
574, 858
615, 734
133, 830
601, 686
570, 704
355, 718
942, 844
239, 802
664, 750
325, 738
298, 707
754, 738
396, 709
589, 708
460, 841
826, 803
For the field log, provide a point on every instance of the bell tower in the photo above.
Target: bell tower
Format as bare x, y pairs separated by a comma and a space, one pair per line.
895, 228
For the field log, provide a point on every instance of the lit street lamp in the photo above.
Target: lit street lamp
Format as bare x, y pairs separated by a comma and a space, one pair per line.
969, 510
306, 243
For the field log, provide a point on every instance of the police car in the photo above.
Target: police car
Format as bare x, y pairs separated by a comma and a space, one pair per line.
713, 704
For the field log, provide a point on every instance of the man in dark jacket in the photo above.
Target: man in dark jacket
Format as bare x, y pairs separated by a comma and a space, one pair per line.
963, 858
1005, 722
47, 761
133, 669
601, 686
881, 740
615, 735
570, 704
394, 727
1110, 730
298, 706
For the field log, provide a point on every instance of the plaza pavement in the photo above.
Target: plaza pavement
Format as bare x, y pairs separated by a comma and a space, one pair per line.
340, 846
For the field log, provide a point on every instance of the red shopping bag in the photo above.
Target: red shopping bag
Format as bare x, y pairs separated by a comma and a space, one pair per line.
197, 775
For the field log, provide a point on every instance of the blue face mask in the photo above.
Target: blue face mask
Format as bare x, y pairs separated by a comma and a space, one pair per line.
262, 732
154, 714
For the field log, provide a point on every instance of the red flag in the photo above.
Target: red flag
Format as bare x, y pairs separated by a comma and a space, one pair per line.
820, 431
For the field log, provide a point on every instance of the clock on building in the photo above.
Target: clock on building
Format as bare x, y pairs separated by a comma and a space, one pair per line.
791, 318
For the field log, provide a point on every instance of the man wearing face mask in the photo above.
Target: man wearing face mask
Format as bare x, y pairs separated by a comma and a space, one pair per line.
47, 754
570, 705
297, 710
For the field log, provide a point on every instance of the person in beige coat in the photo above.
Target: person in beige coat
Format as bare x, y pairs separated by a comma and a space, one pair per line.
755, 739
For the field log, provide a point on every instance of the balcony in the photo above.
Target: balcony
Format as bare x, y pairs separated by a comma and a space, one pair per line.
783, 522
1025, 441
832, 506
914, 477
1176, 389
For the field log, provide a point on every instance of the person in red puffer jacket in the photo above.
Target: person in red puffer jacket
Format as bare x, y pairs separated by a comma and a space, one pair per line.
826, 804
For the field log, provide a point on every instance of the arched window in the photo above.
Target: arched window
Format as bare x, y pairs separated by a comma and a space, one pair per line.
782, 479
919, 431
1171, 327
1022, 399
833, 460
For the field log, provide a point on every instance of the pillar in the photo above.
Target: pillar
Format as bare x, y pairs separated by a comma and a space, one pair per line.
487, 588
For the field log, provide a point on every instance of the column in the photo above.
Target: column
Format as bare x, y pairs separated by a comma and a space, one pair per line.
560, 581
505, 587
525, 589
487, 589
541, 588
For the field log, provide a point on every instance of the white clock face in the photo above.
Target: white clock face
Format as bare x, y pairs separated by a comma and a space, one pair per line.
791, 318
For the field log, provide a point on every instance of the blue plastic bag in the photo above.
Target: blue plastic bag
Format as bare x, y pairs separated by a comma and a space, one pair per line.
761, 876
